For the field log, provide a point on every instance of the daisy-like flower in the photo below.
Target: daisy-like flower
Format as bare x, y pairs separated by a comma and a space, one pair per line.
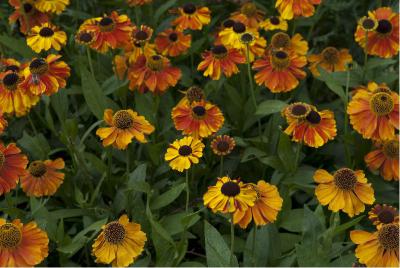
10, 64
172, 42
230, 36
45, 37
12, 166
119, 242
14, 99
382, 28
85, 37
274, 23
191, 17
378, 249
345, 190
228, 196
266, 206
113, 31
282, 41
383, 214
290, 9
249, 14
141, 35
220, 60
280, 71
22, 245
199, 119
26, 15
254, 42
138, 2
124, 125
153, 73
46, 75
183, 153
134, 50
43, 177
385, 159
377, 105
330, 59
51, 6
222, 145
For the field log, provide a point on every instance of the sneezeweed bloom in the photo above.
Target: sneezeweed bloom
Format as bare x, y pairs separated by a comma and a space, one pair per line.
183, 153
191, 17
266, 206
280, 71
12, 166
43, 177
383, 214
26, 15
385, 159
199, 119
290, 9
330, 59
379, 32
119, 243
249, 14
22, 245
274, 23
154, 73
222, 145
134, 50
220, 60
377, 105
124, 125
138, 2
142, 34
378, 249
84, 37
255, 44
230, 36
345, 190
172, 42
45, 37
282, 41
51, 6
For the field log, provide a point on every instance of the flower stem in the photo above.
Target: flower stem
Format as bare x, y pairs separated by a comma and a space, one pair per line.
346, 119
299, 145
221, 169
294, 27
89, 56
127, 161
253, 246
232, 241
365, 56
187, 191
32, 124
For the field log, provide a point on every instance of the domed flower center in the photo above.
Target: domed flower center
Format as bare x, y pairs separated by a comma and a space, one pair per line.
10, 236
85, 37
37, 168
247, 38
228, 23
11, 80
299, 110
386, 216
114, 232
141, 36
38, 66
123, 119
369, 24
382, 103
330, 55
274, 20
391, 149
2, 159
388, 237
223, 146
155, 63
313, 117
384, 27
199, 111
194, 93
239, 27
185, 150
219, 51
106, 24
280, 40
189, 8
249, 9
173, 37
382, 89
280, 60
46, 32
13, 68
27, 8
230, 188
345, 179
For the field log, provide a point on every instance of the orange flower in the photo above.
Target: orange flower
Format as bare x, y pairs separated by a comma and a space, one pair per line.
46, 75
134, 50
10, 64
296, 8
26, 15
138, 2
220, 59
280, 70
385, 158
12, 166
84, 37
192, 17
222, 145
283, 41
43, 178
142, 34
377, 105
383, 41
383, 214
199, 119
172, 42
330, 59
249, 15
153, 73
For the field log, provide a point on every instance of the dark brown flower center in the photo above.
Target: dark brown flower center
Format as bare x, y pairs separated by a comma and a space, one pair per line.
345, 179
228, 23
173, 37
299, 110
368, 24
27, 8
199, 111
114, 232
223, 146
247, 38
386, 216
13, 68
85, 37
239, 27
141, 35
155, 63
106, 24
194, 93
313, 117
274, 20
330, 55
46, 32
230, 188
280, 60
10, 80
384, 27
37, 168
388, 237
189, 8
280, 40
123, 119
185, 150
10, 236
382, 103
391, 149
38, 66
219, 51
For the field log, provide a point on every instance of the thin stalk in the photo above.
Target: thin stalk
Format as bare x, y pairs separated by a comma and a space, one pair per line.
127, 161
137, 16
346, 119
232, 241
294, 27
32, 124
365, 56
89, 57
299, 145
187, 191
221, 169
253, 246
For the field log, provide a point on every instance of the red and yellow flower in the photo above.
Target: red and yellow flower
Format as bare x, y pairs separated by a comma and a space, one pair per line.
26, 15
45, 37
249, 14
172, 42
142, 34
290, 9
383, 214
10, 64
191, 17
330, 59
222, 145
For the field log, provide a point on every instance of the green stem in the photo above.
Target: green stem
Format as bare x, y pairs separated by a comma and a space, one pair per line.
221, 168
365, 56
137, 16
346, 119
294, 27
127, 160
187, 191
232, 241
32, 124
89, 57
299, 145
253, 246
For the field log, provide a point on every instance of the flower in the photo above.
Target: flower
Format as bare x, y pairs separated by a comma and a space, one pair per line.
282, 41
45, 37
153, 73
254, 42
280, 71
21, 244
266, 206
12, 166
228, 196
345, 190
10, 64
290, 9
46, 75
385, 158
249, 15
138, 2
124, 125
141, 35
26, 15
43, 177
172, 42
377, 105
192, 17
330, 59
84, 37
181, 154
199, 119
377, 249
119, 243
274, 23
134, 50
220, 59
222, 145
383, 214
51, 6
382, 28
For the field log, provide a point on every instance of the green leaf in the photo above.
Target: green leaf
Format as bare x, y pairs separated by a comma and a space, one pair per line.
343, 227
286, 153
37, 146
137, 179
19, 46
168, 197
175, 223
292, 220
270, 107
162, 9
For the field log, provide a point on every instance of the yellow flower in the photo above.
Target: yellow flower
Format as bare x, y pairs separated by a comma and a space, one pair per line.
182, 153
330, 59
46, 36
283, 41
51, 6
274, 23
